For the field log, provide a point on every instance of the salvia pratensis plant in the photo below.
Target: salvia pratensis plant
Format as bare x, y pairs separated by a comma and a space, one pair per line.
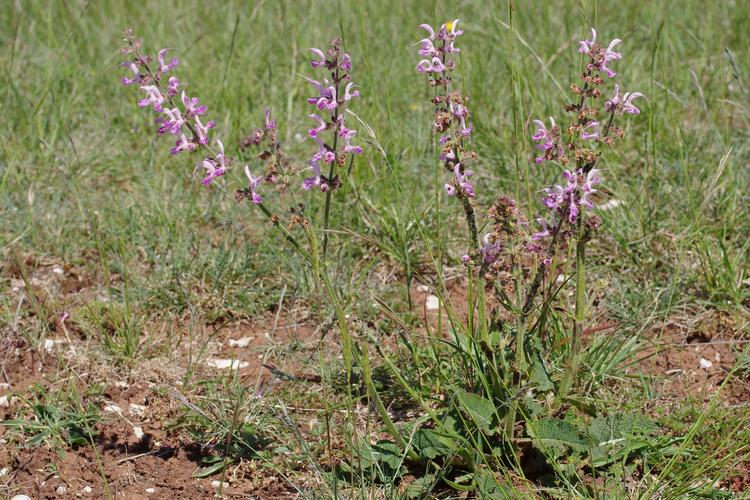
520, 259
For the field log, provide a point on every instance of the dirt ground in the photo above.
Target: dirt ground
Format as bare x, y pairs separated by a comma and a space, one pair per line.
140, 457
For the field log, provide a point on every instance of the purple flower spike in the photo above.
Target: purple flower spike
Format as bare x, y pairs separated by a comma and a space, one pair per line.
166, 67
254, 182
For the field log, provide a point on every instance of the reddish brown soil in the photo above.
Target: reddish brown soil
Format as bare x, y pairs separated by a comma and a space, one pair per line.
127, 466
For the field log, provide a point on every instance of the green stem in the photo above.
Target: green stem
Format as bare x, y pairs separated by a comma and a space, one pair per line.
575, 343
329, 193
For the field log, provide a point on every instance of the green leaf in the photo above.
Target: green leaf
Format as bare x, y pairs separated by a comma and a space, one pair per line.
430, 444
551, 434
481, 410
421, 487
218, 465
539, 376
489, 487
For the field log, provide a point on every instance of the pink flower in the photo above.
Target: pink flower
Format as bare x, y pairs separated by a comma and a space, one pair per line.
153, 97
313, 132
202, 130
269, 123
183, 144
174, 84
254, 182
136, 73
430, 31
320, 58
460, 183
490, 251
174, 122
192, 105
545, 232
624, 104
431, 66
308, 183
349, 94
348, 147
212, 170
166, 67
600, 56
590, 131
346, 63
427, 48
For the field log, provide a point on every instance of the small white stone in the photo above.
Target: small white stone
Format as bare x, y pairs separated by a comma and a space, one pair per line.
432, 303
150, 491
4, 386
138, 431
705, 364
87, 490
121, 383
49, 344
61, 490
215, 484
58, 270
3, 471
21, 497
137, 409
423, 288
4, 401
243, 342
113, 409
223, 364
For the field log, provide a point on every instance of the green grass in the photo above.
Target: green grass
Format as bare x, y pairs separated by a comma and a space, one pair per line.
83, 181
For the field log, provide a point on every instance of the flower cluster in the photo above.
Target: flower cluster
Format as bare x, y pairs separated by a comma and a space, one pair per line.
570, 200
276, 162
600, 56
183, 122
331, 100
586, 129
451, 111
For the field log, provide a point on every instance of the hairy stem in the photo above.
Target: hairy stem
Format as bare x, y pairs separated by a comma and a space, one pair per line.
471, 221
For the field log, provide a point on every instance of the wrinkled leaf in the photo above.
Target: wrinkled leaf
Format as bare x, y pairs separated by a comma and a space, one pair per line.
481, 410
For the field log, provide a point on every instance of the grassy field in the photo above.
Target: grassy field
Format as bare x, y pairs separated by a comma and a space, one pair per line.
125, 284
